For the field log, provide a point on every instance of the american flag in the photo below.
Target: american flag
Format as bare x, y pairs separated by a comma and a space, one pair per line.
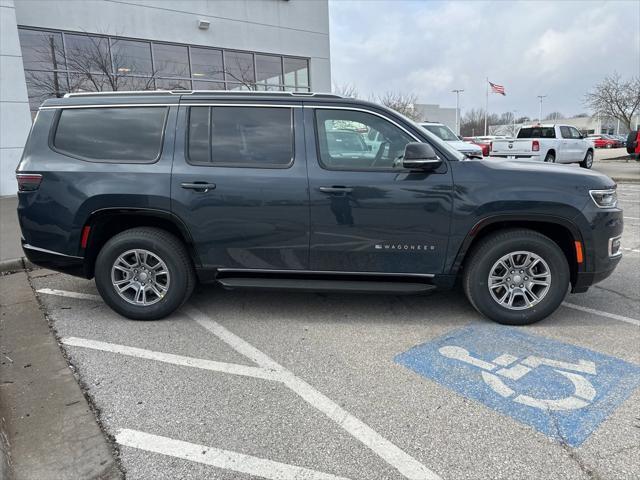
495, 88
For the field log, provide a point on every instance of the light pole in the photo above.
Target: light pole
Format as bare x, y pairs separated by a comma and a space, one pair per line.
457, 92
540, 114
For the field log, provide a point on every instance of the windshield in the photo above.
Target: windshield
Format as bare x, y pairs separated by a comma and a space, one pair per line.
442, 131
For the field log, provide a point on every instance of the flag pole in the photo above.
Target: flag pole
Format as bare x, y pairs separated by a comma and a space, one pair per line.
486, 109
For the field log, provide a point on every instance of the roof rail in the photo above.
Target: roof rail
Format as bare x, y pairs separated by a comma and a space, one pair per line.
191, 92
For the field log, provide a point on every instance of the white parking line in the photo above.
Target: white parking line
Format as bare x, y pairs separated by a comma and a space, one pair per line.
634, 250
386, 450
621, 318
631, 218
66, 293
238, 462
231, 368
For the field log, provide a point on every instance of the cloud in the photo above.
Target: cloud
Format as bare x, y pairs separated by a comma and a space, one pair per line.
559, 49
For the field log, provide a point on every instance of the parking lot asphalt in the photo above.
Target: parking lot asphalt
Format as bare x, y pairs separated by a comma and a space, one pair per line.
246, 384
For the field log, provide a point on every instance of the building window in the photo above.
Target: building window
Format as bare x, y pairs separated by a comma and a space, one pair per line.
58, 62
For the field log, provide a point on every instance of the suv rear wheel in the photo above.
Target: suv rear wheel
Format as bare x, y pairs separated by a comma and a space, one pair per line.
144, 273
516, 277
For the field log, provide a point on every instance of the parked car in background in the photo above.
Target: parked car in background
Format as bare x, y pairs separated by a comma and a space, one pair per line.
550, 143
485, 141
149, 192
633, 144
445, 133
604, 141
622, 139
486, 147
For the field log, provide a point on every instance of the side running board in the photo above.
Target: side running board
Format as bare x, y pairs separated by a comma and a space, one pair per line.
318, 285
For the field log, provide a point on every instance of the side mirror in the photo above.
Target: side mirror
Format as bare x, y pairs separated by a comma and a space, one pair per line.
420, 156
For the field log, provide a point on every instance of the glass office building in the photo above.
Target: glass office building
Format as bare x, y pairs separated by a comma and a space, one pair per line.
49, 48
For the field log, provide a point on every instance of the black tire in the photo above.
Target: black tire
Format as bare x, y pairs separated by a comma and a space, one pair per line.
588, 160
550, 157
168, 248
489, 250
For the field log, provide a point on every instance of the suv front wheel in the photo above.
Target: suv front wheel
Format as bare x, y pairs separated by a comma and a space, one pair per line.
144, 273
516, 277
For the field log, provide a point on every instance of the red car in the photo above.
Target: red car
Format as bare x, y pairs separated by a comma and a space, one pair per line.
486, 146
604, 141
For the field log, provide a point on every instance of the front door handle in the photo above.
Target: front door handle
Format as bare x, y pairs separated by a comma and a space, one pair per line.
336, 189
202, 187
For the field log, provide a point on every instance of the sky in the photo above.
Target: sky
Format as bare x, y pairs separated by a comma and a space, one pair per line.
556, 48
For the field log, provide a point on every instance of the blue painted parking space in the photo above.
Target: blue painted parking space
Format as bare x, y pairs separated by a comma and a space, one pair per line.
562, 390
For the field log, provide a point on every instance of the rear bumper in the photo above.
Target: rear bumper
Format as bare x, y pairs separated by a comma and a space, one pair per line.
516, 156
54, 260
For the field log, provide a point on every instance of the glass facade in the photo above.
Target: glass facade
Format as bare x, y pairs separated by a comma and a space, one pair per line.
57, 62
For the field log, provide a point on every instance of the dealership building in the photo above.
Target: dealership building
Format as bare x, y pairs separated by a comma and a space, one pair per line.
49, 48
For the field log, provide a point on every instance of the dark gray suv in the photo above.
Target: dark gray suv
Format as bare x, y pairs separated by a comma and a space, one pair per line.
152, 191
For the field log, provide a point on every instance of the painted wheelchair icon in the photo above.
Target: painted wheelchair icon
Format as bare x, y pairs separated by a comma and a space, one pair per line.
508, 366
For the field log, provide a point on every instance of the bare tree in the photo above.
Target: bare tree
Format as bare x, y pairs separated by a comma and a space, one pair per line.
616, 98
554, 116
348, 90
404, 103
93, 63
472, 122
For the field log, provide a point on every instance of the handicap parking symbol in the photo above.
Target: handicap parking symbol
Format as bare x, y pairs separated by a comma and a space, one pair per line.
562, 390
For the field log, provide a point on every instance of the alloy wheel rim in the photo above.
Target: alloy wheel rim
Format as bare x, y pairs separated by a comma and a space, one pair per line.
519, 280
140, 277
589, 159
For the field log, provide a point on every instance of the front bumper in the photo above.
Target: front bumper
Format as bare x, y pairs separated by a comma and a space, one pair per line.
600, 226
54, 260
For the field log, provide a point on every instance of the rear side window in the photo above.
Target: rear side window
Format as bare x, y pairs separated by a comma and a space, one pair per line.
537, 132
260, 137
111, 134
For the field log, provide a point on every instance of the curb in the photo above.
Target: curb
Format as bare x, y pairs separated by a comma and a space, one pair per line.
14, 265
625, 180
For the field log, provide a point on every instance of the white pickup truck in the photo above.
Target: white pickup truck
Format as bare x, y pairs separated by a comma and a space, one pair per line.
550, 143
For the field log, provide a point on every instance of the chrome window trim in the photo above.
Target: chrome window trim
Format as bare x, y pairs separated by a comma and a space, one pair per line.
356, 109
44, 250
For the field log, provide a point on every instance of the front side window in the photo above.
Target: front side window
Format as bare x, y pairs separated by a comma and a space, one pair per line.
353, 140
259, 137
111, 134
565, 132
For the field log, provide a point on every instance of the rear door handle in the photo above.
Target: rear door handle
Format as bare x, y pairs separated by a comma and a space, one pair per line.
336, 189
202, 187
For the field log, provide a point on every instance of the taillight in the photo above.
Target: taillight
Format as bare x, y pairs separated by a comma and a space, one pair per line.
535, 146
28, 182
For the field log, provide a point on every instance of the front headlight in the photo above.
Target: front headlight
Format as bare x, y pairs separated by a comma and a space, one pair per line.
604, 198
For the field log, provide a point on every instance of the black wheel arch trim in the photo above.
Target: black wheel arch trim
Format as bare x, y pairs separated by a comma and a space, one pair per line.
150, 212
493, 219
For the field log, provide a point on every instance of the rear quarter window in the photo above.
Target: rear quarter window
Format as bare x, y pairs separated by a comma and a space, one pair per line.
111, 134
